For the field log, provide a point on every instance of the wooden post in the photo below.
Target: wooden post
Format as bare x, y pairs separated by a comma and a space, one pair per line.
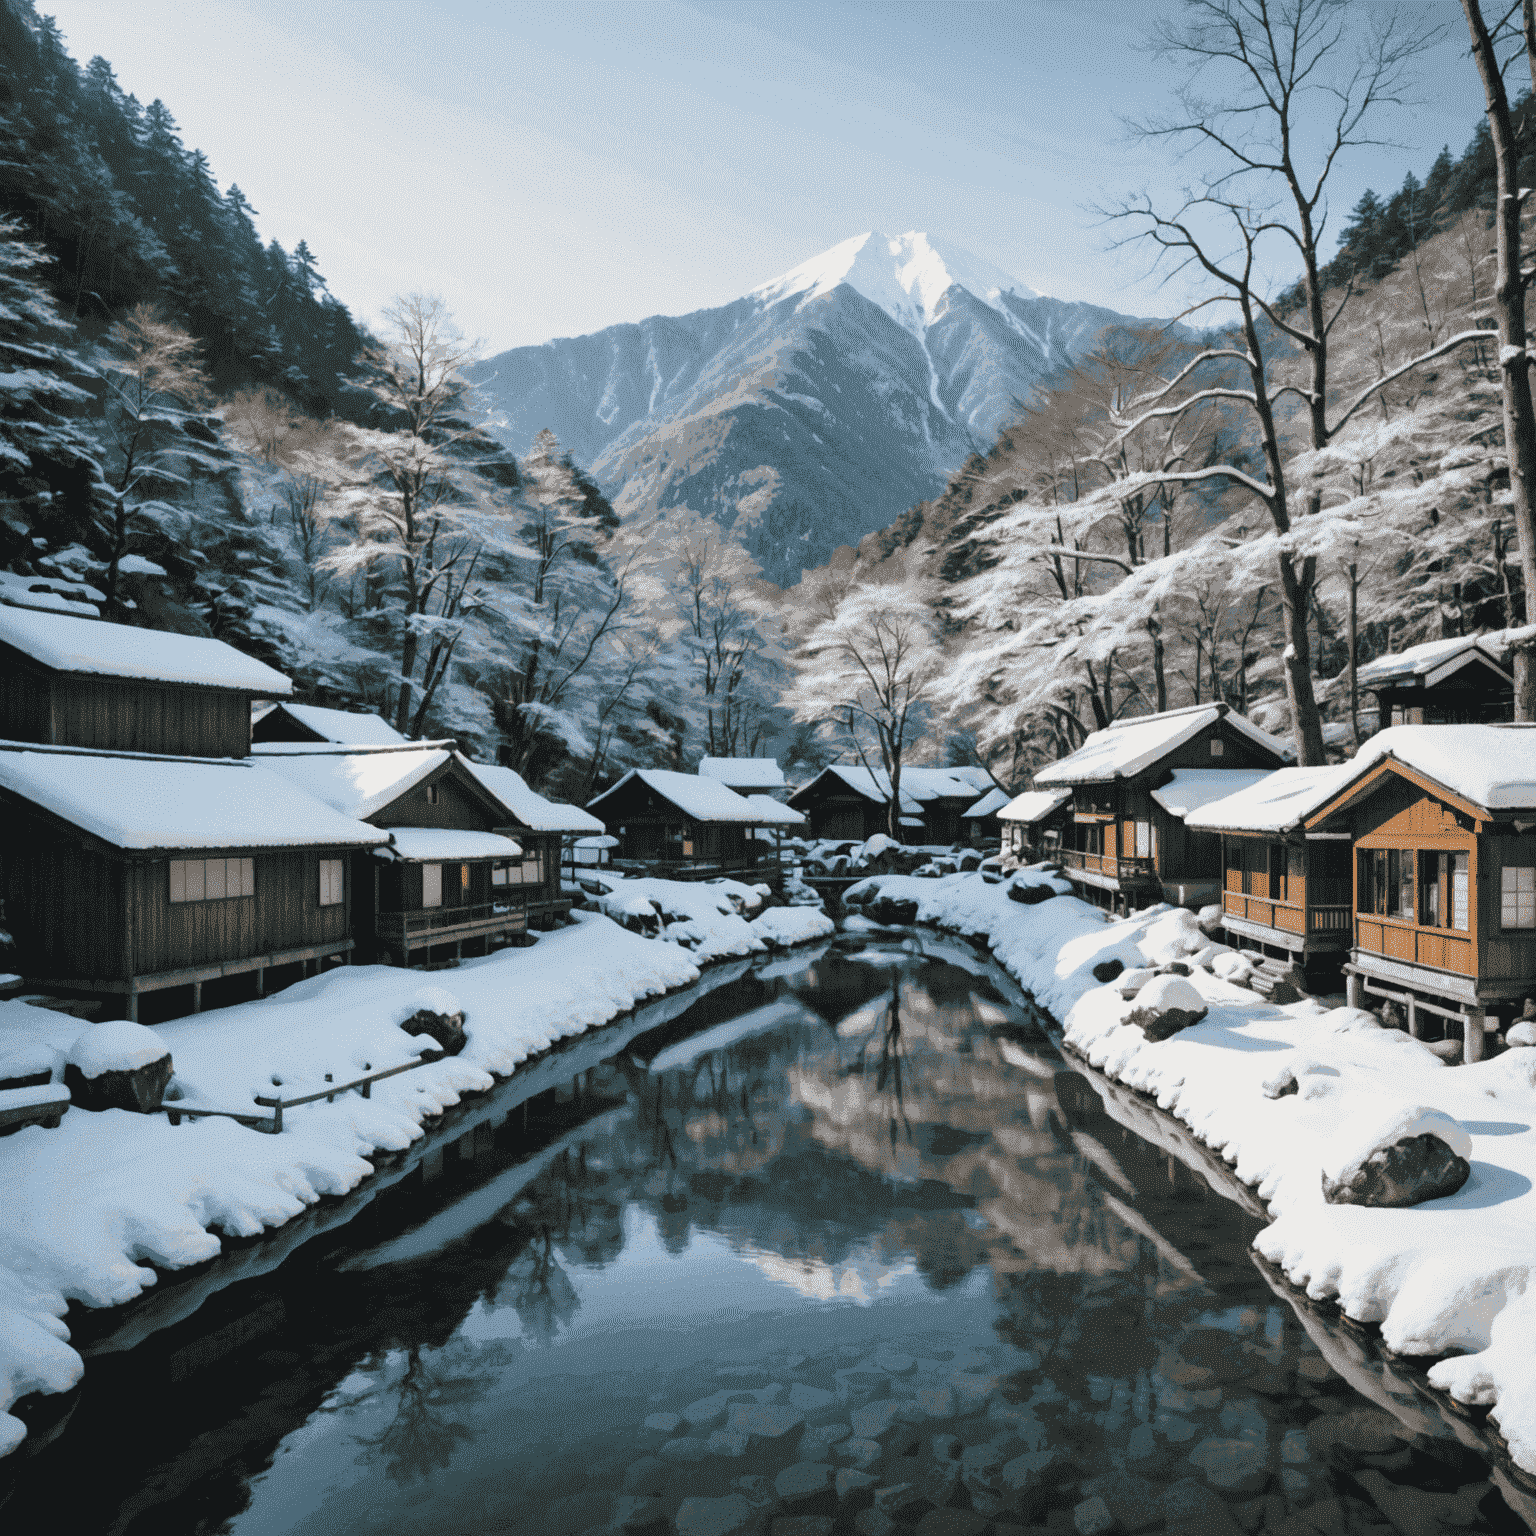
197, 997
1472, 1036
1354, 989
131, 1005
1415, 1028
261, 981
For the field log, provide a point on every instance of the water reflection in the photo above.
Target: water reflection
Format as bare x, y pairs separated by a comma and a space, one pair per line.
857, 1216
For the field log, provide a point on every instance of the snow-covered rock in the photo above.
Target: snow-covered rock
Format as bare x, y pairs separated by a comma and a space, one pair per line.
1165, 1005
1401, 1155
1521, 1034
118, 1065
116, 1046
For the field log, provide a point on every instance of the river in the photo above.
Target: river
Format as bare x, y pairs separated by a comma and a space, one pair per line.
847, 1225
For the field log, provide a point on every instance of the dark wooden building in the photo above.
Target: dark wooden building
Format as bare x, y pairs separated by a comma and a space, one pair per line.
1033, 824
313, 723
1442, 824
1128, 848
848, 801
1465, 680
126, 875
680, 825
422, 897
82, 682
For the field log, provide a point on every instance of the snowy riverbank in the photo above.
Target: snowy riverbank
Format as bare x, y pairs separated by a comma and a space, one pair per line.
92, 1204
1452, 1277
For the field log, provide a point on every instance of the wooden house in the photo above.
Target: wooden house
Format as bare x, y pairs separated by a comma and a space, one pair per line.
1465, 680
542, 827
746, 775
68, 680
980, 820
131, 874
848, 801
447, 877
311, 723
1442, 824
680, 825
1032, 824
1127, 846
1285, 892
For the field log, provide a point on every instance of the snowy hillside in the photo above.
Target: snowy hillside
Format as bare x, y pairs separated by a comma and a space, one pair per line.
810, 411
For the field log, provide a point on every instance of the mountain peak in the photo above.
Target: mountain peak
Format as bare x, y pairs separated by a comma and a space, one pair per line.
906, 275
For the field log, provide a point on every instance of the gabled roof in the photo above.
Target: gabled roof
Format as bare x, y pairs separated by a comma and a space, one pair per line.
743, 772
431, 845
1129, 746
776, 813
69, 643
1278, 802
1436, 660
339, 725
144, 803
698, 799
530, 809
989, 805
357, 781
917, 785
1034, 805
1190, 788
1491, 767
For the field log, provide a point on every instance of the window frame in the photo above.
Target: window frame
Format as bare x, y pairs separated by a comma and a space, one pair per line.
243, 868
1523, 894
333, 882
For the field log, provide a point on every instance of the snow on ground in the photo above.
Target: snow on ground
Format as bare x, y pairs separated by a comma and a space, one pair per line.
93, 1203
1454, 1277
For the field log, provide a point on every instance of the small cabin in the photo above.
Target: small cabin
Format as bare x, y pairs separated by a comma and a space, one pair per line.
422, 898
313, 724
746, 775
1285, 891
848, 801
1127, 846
980, 821
543, 828
68, 680
126, 875
1441, 820
681, 825
1461, 681
1032, 824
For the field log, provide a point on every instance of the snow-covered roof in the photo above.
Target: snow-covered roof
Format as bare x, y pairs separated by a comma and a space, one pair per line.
148, 803
1492, 766
743, 772
1128, 746
989, 805
776, 813
68, 643
917, 785
341, 725
358, 781
1277, 802
974, 775
1433, 660
1034, 805
699, 799
1190, 788
419, 845
529, 808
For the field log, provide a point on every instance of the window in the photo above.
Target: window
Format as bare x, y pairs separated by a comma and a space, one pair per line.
431, 885
1386, 882
212, 879
499, 874
463, 877
333, 882
431, 794
530, 871
1218, 748
1517, 892
1443, 890
1143, 839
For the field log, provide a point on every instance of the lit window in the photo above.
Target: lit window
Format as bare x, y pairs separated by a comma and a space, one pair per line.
463, 877
1517, 891
332, 882
212, 879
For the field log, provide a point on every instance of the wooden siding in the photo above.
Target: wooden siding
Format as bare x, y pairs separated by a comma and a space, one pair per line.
25, 703
64, 903
461, 805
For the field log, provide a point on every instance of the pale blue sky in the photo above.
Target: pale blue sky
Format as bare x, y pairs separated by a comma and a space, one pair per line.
554, 168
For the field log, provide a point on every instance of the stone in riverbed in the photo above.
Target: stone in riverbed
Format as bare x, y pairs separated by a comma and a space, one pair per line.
893, 1361
952, 1522
1092, 1517
665, 1422
1409, 1172
852, 1486
861, 1453
647, 1475
811, 1401
816, 1444
730, 1516
727, 1442
687, 1448
1232, 1466
803, 1525
1191, 1509
1135, 1503
936, 1402
805, 1483
874, 1419
766, 1421
873, 1522
634, 1513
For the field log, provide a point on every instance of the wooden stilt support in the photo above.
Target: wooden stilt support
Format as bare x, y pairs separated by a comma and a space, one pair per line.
131, 1005
1415, 1027
197, 997
261, 981
1354, 990
1472, 1036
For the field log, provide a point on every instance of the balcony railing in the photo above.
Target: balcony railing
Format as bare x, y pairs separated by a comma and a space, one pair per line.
1441, 949
1108, 865
448, 925
1287, 916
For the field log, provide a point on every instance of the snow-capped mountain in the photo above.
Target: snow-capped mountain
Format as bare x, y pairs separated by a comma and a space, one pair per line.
810, 411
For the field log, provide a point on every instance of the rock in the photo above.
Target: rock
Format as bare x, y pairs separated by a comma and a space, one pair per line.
687, 1448
1449, 1051
767, 1421
873, 1522
1233, 1466
1131, 982
1167, 1004
894, 1363
446, 1028
727, 1442
816, 1444
952, 1522
1521, 1034
1030, 895
757, 1490
1173, 968
1024, 1472
1092, 1517
665, 1422
945, 1448
862, 1386
1135, 1503
1107, 970
805, 1482
1191, 1509
648, 1475
708, 1412
803, 1525
730, 1516
971, 1392
935, 1402
118, 1065
939, 1482
851, 1485
891, 910
896, 1496
1280, 1084
1410, 1171
860, 1453
811, 1401
874, 1419
635, 1512
1211, 919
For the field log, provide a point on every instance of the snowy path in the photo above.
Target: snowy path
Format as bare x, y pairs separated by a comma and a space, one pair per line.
1450, 1278
91, 1205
